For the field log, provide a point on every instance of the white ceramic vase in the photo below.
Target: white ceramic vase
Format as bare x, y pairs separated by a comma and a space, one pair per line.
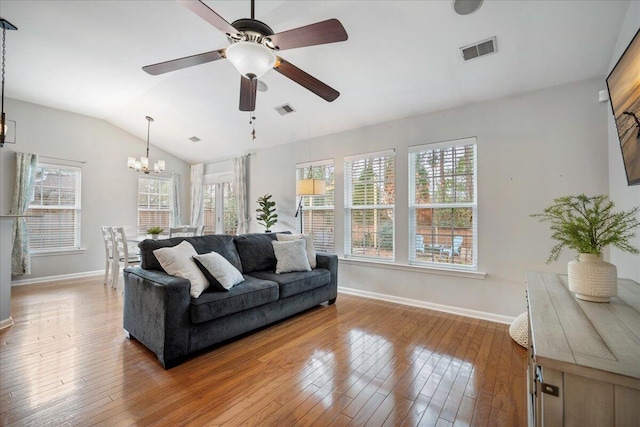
592, 279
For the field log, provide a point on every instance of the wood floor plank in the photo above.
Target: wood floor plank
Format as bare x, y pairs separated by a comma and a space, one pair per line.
358, 362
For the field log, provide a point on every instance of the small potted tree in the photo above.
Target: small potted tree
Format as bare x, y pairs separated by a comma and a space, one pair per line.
266, 213
154, 231
588, 225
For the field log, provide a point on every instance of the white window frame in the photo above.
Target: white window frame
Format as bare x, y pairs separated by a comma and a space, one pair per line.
310, 203
349, 207
219, 181
143, 229
77, 207
413, 206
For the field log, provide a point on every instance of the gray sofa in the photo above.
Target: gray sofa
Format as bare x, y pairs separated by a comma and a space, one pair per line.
160, 313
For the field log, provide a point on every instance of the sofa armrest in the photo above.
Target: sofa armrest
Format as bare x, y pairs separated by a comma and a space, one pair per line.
156, 312
330, 262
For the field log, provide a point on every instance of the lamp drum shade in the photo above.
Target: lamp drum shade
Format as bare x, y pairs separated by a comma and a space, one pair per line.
311, 187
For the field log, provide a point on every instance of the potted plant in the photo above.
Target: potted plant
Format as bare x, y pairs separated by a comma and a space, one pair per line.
588, 225
266, 213
154, 231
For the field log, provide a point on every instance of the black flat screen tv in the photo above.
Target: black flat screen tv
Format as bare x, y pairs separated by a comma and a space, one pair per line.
624, 94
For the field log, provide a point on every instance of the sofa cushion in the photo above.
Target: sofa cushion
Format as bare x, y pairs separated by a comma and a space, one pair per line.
297, 282
291, 256
311, 250
220, 243
178, 261
253, 292
256, 252
220, 273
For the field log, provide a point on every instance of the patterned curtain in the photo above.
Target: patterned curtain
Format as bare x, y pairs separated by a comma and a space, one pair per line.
197, 197
22, 194
175, 200
240, 188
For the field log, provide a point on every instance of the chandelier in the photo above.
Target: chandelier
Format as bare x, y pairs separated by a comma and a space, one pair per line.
142, 165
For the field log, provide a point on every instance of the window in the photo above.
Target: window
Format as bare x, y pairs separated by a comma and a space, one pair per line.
442, 204
220, 213
56, 202
317, 215
369, 205
154, 203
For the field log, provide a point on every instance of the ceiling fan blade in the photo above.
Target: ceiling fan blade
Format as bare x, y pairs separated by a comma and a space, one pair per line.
206, 13
187, 61
248, 93
328, 31
305, 80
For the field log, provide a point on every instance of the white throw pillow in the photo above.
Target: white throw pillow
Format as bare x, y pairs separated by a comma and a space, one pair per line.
177, 261
311, 251
220, 273
290, 256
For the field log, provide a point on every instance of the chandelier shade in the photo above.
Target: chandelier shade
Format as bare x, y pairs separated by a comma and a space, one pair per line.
251, 59
142, 165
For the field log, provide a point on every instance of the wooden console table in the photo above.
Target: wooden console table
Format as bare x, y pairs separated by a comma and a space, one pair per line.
584, 357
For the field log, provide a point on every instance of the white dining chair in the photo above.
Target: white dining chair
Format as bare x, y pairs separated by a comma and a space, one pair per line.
109, 252
183, 231
123, 255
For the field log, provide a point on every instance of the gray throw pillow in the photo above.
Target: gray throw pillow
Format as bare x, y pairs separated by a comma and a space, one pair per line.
311, 251
220, 273
291, 256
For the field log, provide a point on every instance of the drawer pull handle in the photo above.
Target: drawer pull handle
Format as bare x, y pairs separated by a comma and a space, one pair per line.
550, 389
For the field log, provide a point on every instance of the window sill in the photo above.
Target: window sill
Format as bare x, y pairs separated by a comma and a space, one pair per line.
479, 275
55, 252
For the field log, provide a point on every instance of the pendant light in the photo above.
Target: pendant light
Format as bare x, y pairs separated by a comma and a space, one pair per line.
6, 25
142, 165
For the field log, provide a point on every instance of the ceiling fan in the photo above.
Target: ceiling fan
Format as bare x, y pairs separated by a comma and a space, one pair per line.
252, 50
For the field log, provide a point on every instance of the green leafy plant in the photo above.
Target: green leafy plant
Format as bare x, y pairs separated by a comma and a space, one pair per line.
266, 213
154, 230
589, 224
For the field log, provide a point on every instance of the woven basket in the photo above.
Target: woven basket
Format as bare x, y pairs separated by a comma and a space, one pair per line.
519, 329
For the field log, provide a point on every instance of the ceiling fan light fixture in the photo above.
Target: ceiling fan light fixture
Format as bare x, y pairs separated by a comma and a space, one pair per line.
251, 59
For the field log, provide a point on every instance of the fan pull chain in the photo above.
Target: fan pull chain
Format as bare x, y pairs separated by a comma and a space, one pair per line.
252, 121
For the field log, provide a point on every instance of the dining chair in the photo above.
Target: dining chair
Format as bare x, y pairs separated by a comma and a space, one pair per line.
124, 257
183, 231
107, 236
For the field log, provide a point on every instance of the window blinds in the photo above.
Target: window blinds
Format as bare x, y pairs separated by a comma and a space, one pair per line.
56, 208
370, 205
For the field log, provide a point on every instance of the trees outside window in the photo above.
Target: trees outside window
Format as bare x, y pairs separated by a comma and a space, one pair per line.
442, 204
370, 205
55, 207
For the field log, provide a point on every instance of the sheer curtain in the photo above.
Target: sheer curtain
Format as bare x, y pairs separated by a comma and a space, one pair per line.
175, 200
26, 164
240, 188
197, 197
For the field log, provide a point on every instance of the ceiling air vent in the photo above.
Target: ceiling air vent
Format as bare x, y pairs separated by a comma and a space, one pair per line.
194, 139
285, 109
479, 49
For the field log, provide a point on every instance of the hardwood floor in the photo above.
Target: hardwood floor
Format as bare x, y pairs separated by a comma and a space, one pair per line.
358, 362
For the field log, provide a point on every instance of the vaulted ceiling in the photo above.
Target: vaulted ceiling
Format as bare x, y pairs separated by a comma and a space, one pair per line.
402, 58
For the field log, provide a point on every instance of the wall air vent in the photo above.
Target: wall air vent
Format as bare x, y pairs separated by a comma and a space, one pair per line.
476, 50
285, 109
194, 139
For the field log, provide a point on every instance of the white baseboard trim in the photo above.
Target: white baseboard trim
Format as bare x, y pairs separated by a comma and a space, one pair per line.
57, 278
6, 323
431, 306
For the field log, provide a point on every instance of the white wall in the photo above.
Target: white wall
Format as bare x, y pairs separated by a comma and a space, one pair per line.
109, 188
531, 148
624, 196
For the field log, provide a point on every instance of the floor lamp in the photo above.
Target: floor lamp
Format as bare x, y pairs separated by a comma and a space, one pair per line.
308, 187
